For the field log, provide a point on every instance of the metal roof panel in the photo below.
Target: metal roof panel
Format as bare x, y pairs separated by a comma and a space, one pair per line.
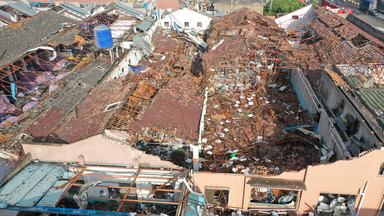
75, 9
129, 10
23, 8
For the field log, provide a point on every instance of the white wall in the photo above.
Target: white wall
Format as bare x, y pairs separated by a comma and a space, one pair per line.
184, 15
134, 55
305, 16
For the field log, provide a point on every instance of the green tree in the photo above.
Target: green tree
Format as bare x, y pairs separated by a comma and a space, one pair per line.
282, 6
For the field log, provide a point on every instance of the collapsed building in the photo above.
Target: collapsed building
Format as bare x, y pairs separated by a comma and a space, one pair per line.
129, 120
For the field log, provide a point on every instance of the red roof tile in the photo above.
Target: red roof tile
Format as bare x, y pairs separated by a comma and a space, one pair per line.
91, 115
175, 108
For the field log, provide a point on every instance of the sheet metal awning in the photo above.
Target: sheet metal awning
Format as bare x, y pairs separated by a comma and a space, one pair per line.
276, 183
33, 186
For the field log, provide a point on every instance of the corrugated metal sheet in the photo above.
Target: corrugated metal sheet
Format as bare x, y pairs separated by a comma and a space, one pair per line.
73, 8
6, 15
23, 8
129, 10
139, 42
145, 25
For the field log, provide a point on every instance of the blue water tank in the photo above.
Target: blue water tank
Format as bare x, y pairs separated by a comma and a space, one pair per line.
103, 36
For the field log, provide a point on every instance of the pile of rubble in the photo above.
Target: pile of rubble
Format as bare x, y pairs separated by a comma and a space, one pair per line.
251, 101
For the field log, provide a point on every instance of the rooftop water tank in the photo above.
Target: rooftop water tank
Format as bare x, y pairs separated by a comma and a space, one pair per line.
103, 36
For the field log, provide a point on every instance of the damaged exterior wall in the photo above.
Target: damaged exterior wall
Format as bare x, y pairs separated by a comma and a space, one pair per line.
334, 98
96, 149
318, 179
133, 57
328, 132
238, 185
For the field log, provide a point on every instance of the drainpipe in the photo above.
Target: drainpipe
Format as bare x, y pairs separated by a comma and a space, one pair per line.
196, 148
362, 197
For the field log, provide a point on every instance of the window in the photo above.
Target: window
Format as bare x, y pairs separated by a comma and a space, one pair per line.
381, 171
338, 203
186, 24
199, 24
160, 194
217, 196
295, 17
166, 24
271, 197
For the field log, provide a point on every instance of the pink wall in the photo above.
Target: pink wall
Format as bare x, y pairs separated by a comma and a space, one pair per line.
165, 4
347, 177
240, 190
341, 177
96, 149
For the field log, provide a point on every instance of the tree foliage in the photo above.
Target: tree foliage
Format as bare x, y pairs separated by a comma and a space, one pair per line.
282, 6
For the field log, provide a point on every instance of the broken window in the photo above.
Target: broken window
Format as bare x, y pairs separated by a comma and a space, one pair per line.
273, 197
336, 203
186, 24
166, 24
295, 17
217, 196
160, 194
199, 24
381, 171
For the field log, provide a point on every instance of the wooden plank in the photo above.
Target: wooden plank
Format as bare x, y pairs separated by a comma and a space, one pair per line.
30, 183
34, 195
18, 180
53, 195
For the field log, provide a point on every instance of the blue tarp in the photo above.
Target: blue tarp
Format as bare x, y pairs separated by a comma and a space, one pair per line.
137, 70
192, 206
290, 128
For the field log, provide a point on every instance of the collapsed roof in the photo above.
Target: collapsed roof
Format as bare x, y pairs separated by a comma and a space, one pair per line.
330, 40
251, 101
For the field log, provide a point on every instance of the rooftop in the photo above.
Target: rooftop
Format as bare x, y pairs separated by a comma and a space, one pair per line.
27, 35
335, 41
62, 79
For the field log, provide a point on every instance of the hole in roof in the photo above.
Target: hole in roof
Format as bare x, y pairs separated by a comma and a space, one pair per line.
99, 67
112, 106
81, 84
